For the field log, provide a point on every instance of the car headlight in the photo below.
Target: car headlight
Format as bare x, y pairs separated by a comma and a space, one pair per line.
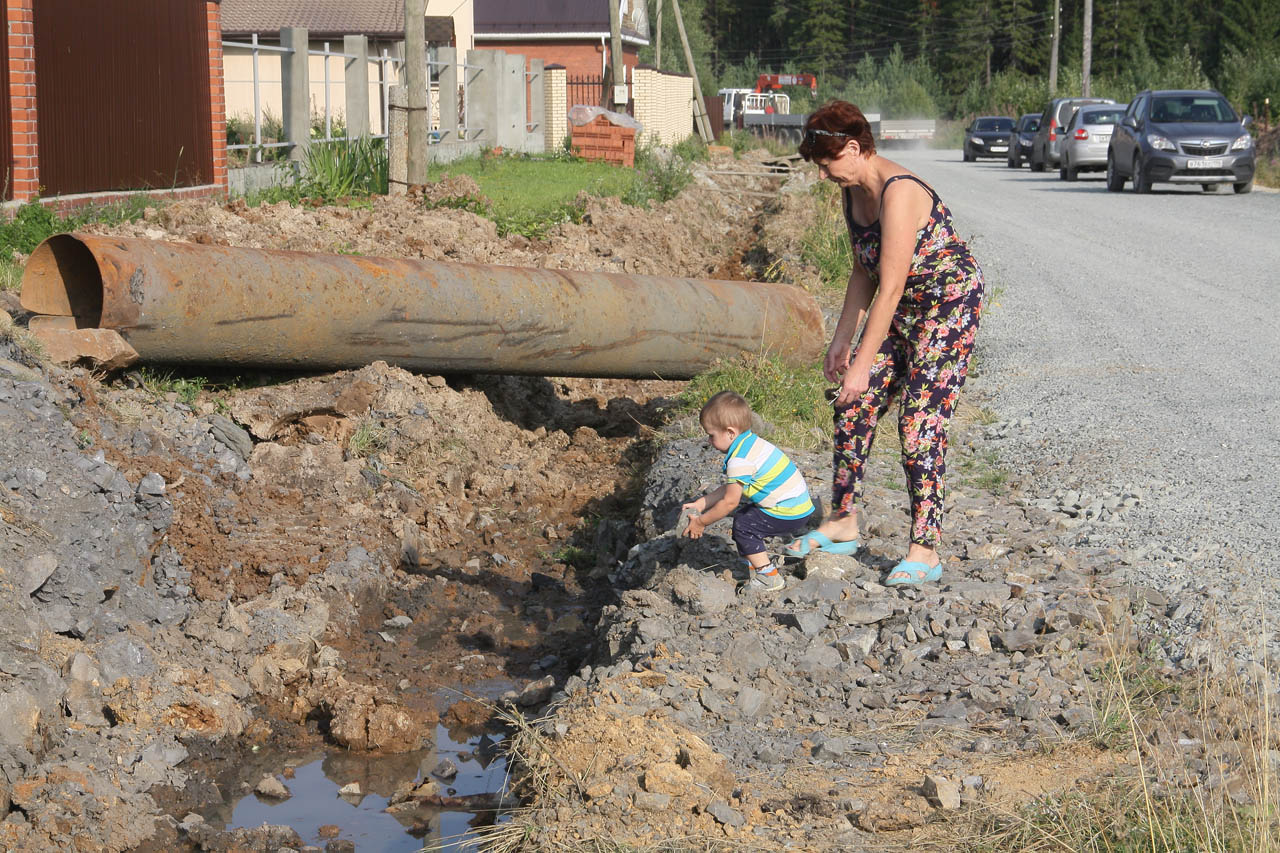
1158, 142
975, 140
1243, 143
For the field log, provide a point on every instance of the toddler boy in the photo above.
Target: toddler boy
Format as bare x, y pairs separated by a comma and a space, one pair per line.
780, 502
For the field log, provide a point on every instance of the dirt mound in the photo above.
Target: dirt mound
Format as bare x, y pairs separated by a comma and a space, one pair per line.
689, 236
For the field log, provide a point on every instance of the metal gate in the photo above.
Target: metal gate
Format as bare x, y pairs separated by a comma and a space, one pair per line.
123, 94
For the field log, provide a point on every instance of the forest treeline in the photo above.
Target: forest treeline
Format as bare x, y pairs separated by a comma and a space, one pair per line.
957, 58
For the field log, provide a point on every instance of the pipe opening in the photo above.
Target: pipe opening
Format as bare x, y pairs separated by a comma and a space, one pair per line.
62, 278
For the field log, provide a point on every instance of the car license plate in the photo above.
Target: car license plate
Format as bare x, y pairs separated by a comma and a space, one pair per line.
999, 149
1205, 163
1102, 137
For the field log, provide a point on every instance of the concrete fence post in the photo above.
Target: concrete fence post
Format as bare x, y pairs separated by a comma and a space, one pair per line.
398, 140
482, 96
356, 82
512, 102
295, 86
535, 136
447, 78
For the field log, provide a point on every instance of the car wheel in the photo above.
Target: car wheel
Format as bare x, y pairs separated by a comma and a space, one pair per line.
1244, 187
1012, 163
1140, 182
1036, 165
968, 158
1062, 171
1115, 181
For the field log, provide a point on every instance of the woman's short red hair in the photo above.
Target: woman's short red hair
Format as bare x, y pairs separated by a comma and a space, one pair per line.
836, 117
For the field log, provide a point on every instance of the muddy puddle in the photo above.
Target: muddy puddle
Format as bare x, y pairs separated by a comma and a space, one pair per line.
336, 794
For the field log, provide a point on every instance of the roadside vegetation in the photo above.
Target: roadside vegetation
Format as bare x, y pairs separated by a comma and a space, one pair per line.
34, 223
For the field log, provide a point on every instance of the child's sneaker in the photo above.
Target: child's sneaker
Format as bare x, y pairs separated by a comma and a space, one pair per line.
771, 582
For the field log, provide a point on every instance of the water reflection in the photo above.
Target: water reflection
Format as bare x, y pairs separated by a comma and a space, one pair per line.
362, 818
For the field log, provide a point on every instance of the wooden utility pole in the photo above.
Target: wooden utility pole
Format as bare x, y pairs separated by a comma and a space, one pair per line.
1053, 52
657, 44
1088, 46
415, 60
699, 105
615, 56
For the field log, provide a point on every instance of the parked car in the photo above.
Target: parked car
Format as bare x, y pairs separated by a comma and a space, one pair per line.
1088, 134
987, 136
1023, 133
1053, 121
1181, 136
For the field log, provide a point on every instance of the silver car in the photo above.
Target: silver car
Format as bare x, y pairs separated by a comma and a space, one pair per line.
1084, 146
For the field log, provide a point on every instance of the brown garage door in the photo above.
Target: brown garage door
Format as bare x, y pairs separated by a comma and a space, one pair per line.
122, 94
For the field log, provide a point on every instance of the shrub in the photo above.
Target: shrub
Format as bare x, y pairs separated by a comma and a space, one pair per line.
334, 170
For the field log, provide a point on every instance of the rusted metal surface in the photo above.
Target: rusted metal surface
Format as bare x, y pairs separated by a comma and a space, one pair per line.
196, 304
123, 93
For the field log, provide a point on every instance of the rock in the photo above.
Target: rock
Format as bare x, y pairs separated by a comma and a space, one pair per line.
667, 778
651, 802
857, 645
99, 349
726, 815
810, 622
820, 564
978, 641
152, 485
397, 622
536, 692
863, 613
445, 770
941, 792
830, 749
1018, 639
752, 702
272, 788
232, 436
21, 712
36, 571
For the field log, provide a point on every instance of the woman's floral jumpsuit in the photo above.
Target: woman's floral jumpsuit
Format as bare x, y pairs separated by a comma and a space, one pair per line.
924, 359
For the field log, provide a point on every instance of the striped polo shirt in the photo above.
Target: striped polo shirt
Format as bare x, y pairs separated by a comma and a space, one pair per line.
768, 478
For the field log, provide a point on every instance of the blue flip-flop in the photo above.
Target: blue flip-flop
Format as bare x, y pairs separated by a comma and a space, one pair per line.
824, 544
917, 573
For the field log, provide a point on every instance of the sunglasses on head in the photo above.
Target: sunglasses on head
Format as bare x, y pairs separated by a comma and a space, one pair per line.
811, 135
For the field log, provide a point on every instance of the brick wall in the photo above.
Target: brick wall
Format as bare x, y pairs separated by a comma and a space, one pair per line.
556, 120
663, 105
577, 57
601, 139
24, 179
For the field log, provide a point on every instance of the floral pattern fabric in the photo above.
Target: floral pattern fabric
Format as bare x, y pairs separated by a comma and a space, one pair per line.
924, 360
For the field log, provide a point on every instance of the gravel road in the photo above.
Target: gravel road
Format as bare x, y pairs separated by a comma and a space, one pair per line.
1132, 343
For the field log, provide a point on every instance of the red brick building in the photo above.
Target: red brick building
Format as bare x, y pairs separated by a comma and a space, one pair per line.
105, 98
572, 33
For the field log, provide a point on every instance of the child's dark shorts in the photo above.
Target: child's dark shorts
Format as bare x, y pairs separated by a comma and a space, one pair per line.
753, 525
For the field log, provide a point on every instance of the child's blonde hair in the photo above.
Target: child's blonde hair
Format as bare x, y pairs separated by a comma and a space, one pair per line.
725, 410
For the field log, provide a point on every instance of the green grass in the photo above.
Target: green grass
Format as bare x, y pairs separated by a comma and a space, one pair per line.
367, 439
186, 388
826, 244
10, 274
531, 195
788, 396
34, 222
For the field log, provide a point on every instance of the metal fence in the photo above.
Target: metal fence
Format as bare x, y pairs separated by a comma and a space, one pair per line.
389, 72
586, 89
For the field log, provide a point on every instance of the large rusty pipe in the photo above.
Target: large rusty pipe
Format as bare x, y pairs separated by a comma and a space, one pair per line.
184, 303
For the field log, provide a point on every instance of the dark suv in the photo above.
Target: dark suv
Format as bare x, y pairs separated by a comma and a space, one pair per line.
1023, 133
1181, 137
1047, 145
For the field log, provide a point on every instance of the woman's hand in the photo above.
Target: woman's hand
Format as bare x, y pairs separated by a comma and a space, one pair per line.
855, 383
837, 360
695, 528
